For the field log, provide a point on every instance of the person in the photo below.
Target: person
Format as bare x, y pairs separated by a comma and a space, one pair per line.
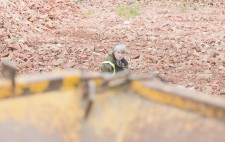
115, 62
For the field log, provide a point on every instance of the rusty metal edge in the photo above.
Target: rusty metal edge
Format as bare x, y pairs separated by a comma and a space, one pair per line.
39, 83
155, 91
181, 98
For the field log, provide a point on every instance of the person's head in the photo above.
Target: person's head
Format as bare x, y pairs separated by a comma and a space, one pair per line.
119, 51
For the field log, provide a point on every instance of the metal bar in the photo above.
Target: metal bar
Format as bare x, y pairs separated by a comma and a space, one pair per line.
40, 83
181, 98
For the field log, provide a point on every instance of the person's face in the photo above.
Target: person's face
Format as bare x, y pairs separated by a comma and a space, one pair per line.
119, 55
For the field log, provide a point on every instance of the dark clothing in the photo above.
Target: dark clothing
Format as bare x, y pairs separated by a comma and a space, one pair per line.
119, 65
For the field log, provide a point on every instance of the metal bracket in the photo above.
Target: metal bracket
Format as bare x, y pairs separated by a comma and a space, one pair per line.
109, 81
88, 89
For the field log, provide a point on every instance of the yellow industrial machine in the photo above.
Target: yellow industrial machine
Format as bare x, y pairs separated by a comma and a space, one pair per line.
79, 106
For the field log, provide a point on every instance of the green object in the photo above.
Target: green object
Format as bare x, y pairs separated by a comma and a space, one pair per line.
128, 11
109, 65
108, 62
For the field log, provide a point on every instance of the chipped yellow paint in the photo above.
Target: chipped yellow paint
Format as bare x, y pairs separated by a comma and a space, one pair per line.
177, 101
19, 88
38, 87
119, 116
70, 82
116, 116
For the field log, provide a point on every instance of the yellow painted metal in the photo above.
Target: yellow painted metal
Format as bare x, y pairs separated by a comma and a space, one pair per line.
119, 114
5, 88
209, 107
39, 83
69, 82
48, 117
19, 88
98, 82
38, 87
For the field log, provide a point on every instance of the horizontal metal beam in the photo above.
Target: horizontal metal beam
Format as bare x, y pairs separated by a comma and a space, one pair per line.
154, 90
181, 97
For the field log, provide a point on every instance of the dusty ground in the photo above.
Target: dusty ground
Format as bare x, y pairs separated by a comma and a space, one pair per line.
185, 43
